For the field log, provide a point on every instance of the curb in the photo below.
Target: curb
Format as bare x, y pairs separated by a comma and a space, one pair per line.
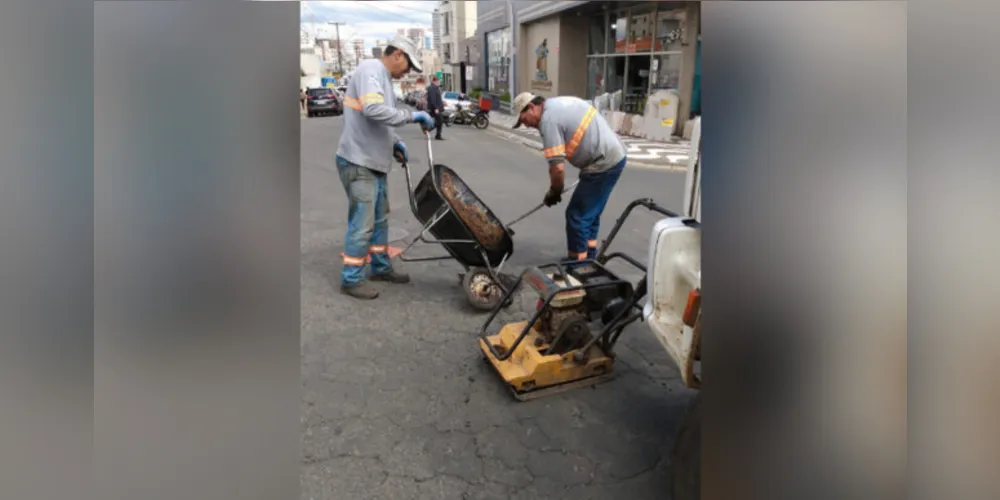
537, 146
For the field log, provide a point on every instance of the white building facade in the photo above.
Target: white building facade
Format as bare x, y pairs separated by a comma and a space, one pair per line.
457, 21
436, 30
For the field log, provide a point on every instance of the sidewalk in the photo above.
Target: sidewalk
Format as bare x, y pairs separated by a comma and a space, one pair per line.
642, 153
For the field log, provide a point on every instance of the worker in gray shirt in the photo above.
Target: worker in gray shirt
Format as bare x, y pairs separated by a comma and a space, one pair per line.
364, 160
574, 132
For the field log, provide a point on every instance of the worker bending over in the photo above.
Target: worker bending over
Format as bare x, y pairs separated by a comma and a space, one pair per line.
364, 159
573, 131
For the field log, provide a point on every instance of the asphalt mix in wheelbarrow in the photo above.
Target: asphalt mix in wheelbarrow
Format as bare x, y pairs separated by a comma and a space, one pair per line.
489, 232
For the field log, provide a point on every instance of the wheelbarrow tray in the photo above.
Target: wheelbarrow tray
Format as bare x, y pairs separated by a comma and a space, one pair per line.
466, 218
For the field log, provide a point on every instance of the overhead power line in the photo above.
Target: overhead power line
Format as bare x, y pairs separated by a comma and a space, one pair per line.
412, 9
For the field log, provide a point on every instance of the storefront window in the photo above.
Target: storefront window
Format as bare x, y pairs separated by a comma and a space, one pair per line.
640, 31
667, 71
636, 84
618, 33
669, 30
636, 40
616, 74
634, 51
595, 77
598, 37
498, 61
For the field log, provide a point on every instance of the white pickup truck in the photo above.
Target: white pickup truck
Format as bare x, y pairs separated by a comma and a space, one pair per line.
673, 314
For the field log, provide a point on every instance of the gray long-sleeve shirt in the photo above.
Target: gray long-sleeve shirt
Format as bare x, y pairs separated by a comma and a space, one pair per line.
369, 115
573, 130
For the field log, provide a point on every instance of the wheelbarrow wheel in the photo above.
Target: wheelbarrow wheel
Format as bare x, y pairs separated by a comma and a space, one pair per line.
480, 290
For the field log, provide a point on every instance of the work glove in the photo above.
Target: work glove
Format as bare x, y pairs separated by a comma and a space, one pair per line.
424, 119
552, 198
399, 151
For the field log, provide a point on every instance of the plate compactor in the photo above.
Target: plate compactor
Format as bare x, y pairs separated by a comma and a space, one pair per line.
569, 341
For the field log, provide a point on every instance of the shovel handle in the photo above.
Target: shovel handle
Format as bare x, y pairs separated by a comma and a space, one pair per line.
537, 208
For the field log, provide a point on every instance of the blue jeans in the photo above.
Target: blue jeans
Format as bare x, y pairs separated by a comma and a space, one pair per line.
367, 222
583, 215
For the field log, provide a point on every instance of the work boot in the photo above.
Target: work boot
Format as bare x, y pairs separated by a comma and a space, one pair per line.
363, 290
392, 276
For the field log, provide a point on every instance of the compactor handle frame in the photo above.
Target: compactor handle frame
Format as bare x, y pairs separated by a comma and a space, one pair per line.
612, 330
483, 335
647, 203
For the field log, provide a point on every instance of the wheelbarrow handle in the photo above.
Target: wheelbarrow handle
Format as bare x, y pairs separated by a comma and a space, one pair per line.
406, 170
430, 152
430, 160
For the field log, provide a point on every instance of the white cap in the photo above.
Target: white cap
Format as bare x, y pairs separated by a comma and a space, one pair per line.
520, 102
406, 45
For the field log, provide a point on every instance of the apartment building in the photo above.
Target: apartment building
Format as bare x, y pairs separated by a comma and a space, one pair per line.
436, 30
457, 21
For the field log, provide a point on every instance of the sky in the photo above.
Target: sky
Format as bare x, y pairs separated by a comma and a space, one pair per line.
369, 19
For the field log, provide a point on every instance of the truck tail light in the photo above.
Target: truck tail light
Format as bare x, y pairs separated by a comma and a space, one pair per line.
692, 308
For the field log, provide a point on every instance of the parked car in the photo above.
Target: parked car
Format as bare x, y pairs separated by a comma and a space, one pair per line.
453, 99
323, 101
417, 97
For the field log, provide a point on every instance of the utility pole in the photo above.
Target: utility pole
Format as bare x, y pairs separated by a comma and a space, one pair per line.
340, 54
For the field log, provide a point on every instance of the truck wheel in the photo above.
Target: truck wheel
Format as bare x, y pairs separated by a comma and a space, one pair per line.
685, 459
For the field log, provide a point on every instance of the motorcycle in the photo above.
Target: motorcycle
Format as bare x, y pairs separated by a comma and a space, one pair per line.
478, 118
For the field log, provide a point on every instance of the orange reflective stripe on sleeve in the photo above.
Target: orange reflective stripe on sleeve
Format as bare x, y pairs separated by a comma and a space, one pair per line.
555, 151
377, 249
352, 103
591, 243
354, 261
580, 130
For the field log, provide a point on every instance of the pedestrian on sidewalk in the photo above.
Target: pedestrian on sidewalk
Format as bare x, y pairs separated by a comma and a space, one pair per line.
364, 160
435, 105
302, 101
574, 132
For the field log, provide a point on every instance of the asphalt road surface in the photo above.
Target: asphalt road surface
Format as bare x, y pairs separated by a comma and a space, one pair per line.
396, 401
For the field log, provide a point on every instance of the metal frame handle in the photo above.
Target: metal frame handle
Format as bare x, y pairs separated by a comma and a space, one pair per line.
409, 182
509, 351
649, 204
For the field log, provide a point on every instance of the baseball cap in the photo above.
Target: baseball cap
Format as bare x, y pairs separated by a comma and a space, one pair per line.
520, 102
406, 45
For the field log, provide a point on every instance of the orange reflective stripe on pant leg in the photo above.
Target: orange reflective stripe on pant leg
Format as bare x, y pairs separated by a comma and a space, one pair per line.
354, 261
591, 243
581, 256
378, 249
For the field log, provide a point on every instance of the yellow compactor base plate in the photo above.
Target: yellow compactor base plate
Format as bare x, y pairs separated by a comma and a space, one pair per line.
531, 374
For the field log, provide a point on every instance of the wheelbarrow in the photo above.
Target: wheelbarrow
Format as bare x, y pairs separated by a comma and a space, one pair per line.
454, 217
